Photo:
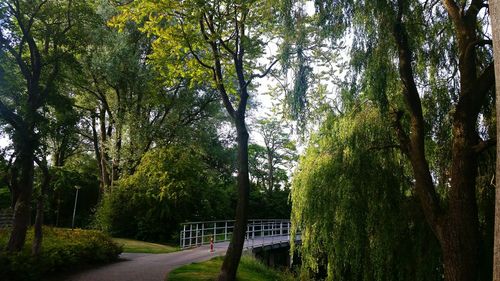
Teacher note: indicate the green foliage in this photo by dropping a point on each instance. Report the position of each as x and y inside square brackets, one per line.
[78, 170]
[249, 269]
[265, 204]
[62, 249]
[355, 208]
[171, 185]
[5, 200]
[269, 164]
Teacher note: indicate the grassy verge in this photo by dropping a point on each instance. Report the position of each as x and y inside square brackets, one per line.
[62, 250]
[250, 269]
[134, 246]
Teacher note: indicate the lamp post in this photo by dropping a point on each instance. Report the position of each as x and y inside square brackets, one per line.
[74, 208]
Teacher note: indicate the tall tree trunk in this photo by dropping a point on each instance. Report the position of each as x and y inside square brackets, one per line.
[116, 162]
[104, 160]
[460, 237]
[495, 26]
[97, 151]
[233, 254]
[38, 233]
[271, 169]
[22, 206]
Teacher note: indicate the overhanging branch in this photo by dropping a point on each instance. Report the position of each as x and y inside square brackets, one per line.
[261, 75]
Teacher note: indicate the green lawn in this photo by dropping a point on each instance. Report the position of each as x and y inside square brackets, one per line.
[249, 270]
[134, 246]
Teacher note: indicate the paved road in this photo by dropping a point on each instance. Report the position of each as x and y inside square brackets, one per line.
[155, 267]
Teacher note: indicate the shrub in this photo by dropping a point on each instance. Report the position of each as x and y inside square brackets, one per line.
[61, 249]
[170, 186]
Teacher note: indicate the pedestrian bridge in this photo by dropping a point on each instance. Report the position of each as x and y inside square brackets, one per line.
[261, 233]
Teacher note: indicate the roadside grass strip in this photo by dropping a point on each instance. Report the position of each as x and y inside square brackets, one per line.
[135, 246]
[249, 269]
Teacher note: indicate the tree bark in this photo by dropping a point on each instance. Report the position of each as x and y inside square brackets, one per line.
[23, 201]
[270, 159]
[460, 237]
[38, 233]
[495, 26]
[233, 254]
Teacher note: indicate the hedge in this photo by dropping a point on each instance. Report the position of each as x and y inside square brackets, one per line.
[62, 249]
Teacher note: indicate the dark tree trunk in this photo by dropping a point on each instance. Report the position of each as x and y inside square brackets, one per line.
[456, 225]
[271, 169]
[116, 171]
[38, 233]
[233, 254]
[22, 205]
[460, 237]
[460, 261]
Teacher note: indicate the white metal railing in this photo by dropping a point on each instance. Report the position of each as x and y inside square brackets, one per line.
[194, 234]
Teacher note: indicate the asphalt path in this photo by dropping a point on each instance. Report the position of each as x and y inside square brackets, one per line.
[155, 267]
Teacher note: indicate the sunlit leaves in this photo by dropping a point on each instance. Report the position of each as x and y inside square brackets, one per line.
[183, 36]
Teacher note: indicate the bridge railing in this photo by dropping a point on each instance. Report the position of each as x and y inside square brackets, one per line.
[194, 234]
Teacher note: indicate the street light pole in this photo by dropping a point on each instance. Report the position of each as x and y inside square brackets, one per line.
[74, 208]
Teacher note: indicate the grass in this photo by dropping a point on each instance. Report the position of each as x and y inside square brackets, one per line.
[134, 246]
[249, 269]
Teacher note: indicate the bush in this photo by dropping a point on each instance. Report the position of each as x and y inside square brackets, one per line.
[61, 249]
[170, 186]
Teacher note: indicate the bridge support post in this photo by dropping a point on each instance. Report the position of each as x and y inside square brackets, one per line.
[196, 236]
[183, 237]
[202, 233]
[190, 234]
[215, 231]
[225, 232]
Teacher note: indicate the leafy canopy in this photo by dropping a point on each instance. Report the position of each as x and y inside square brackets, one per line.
[192, 37]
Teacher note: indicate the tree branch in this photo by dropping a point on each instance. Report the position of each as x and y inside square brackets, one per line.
[219, 81]
[12, 118]
[262, 75]
[192, 51]
[415, 144]
[486, 80]
[453, 10]
[483, 145]
[17, 56]
[472, 45]
[403, 138]
[475, 7]
[35, 58]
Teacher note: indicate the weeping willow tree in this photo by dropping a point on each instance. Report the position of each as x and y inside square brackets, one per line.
[428, 66]
[355, 206]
